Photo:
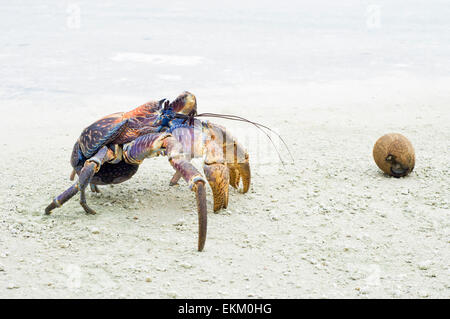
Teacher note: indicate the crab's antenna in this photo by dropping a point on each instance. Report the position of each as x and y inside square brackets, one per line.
[258, 125]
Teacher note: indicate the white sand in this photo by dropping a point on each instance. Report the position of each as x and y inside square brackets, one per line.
[331, 225]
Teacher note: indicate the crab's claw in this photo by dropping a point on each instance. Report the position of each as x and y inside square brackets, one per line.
[237, 160]
[238, 172]
[232, 154]
[218, 178]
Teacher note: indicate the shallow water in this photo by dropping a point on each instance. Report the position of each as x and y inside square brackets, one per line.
[64, 49]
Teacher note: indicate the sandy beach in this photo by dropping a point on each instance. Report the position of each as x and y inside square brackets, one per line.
[326, 77]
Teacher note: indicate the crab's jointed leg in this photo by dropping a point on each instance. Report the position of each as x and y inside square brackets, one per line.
[91, 166]
[151, 145]
[175, 178]
[94, 188]
[180, 162]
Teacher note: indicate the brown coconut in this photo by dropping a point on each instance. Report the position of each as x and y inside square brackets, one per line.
[394, 154]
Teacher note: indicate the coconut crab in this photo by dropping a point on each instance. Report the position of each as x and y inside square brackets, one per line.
[110, 150]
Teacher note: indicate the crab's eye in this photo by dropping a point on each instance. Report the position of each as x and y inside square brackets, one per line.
[389, 158]
[166, 105]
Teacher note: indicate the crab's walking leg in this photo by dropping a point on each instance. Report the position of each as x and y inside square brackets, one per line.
[175, 178]
[164, 143]
[90, 167]
[83, 203]
[73, 174]
[94, 188]
[192, 176]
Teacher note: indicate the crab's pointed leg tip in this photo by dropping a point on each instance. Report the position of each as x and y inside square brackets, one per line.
[202, 214]
[49, 208]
